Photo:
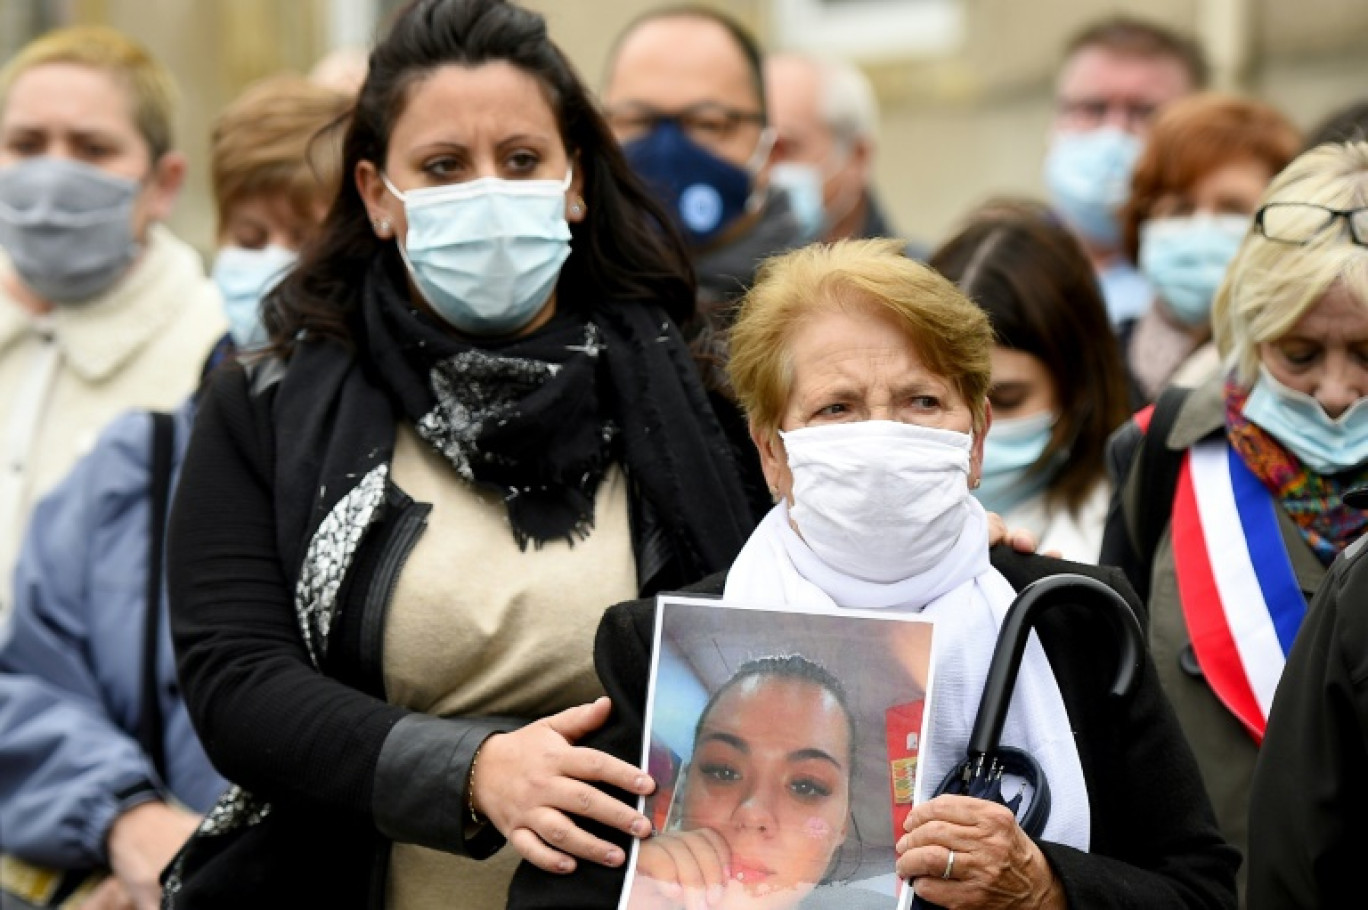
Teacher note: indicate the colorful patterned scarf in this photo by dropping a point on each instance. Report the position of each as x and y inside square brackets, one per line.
[1312, 500]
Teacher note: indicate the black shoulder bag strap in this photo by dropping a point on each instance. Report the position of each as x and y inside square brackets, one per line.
[1159, 480]
[150, 721]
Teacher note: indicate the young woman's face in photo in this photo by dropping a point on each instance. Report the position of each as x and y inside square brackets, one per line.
[771, 774]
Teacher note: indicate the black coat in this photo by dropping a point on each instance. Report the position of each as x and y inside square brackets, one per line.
[1154, 839]
[278, 454]
[1309, 799]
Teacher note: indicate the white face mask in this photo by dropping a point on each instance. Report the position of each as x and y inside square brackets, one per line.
[879, 500]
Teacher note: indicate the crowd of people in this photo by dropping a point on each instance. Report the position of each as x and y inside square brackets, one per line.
[329, 569]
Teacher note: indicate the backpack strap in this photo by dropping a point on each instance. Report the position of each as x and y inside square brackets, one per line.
[150, 720]
[1159, 466]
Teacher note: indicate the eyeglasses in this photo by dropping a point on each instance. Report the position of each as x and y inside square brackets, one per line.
[1090, 113]
[1302, 222]
[707, 124]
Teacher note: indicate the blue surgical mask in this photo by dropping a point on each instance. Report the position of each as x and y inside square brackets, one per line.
[1298, 421]
[804, 186]
[67, 227]
[1012, 447]
[1185, 259]
[486, 254]
[243, 278]
[1088, 175]
[701, 191]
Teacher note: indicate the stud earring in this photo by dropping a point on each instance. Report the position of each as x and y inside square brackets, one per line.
[577, 208]
[382, 226]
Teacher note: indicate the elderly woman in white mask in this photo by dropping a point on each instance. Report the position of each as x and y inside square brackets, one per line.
[865, 379]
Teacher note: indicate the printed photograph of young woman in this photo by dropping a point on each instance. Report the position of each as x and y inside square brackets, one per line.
[770, 731]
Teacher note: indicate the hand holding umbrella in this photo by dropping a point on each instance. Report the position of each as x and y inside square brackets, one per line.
[969, 807]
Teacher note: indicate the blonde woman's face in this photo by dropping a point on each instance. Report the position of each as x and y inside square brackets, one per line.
[83, 114]
[66, 110]
[857, 364]
[1325, 354]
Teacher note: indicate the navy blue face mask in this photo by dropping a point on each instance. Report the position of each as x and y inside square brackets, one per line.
[702, 192]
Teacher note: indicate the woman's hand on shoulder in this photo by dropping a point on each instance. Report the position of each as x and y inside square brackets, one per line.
[530, 782]
[686, 869]
[109, 894]
[996, 866]
[141, 842]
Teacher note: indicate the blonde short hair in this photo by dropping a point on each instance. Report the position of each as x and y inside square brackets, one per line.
[1271, 285]
[951, 335]
[150, 86]
[275, 139]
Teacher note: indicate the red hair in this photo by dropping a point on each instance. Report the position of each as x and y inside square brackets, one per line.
[1194, 136]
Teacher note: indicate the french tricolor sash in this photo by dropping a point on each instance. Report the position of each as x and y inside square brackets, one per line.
[1239, 593]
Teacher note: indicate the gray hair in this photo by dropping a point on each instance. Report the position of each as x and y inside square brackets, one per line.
[848, 105]
[846, 101]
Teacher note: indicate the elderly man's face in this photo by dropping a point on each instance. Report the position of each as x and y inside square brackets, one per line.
[854, 364]
[794, 88]
[689, 68]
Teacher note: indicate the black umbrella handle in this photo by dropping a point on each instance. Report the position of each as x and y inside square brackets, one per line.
[1033, 600]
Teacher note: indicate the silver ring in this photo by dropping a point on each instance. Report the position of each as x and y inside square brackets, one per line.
[949, 865]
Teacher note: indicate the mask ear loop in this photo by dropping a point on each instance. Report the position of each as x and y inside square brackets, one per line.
[394, 191]
[764, 148]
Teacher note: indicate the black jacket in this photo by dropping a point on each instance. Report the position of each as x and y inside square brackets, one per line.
[1154, 840]
[278, 507]
[1308, 803]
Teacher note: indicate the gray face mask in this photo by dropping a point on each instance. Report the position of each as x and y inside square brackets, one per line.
[67, 226]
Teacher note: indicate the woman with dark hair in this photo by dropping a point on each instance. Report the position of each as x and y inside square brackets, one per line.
[1059, 387]
[394, 536]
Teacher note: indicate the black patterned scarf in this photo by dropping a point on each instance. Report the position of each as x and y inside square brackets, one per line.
[523, 418]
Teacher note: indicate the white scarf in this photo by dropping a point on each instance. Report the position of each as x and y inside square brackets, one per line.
[967, 599]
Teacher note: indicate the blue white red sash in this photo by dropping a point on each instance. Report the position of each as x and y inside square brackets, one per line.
[1240, 595]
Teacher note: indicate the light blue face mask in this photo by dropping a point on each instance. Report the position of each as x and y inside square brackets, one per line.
[486, 254]
[1088, 175]
[243, 278]
[804, 186]
[1185, 259]
[1012, 447]
[1298, 421]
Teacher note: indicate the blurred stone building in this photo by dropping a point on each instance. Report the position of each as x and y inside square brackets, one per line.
[965, 84]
